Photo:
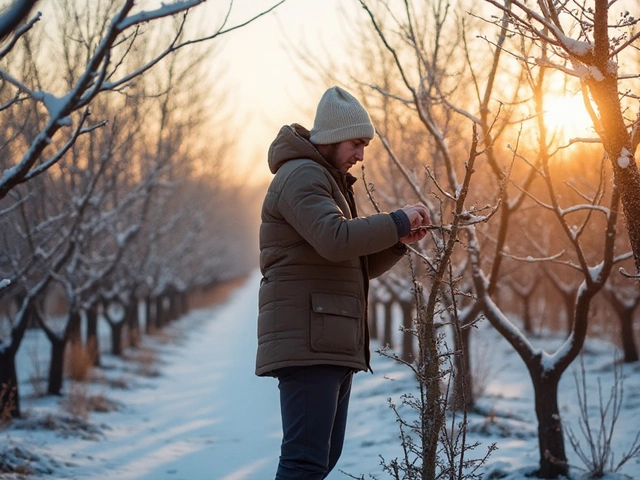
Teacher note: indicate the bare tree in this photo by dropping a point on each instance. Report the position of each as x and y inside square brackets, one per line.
[592, 55]
[624, 299]
[525, 294]
[100, 207]
[103, 72]
[426, 120]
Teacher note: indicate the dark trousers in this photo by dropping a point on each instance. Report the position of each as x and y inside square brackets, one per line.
[313, 402]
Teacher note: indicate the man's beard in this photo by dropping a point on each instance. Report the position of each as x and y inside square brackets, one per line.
[332, 155]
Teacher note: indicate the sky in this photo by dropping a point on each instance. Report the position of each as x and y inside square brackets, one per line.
[267, 90]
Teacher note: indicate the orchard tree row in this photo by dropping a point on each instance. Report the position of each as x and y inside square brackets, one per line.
[114, 182]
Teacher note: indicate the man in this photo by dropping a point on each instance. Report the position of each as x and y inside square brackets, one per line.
[316, 257]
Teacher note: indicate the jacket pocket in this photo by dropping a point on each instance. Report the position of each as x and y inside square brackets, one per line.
[335, 325]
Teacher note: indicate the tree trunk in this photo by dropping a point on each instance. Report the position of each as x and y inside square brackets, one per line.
[150, 322]
[628, 337]
[93, 342]
[431, 399]
[569, 308]
[116, 337]
[463, 397]
[160, 312]
[615, 137]
[553, 459]
[9, 398]
[132, 319]
[407, 334]
[9, 388]
[387, 338]
[56, 366]
[74, 326]
[373, 320]
[527, 321]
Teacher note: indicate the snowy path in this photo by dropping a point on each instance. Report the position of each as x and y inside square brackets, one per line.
[212, 418]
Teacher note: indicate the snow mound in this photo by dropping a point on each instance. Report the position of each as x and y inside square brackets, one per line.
[494, 426]
[63, 424]
[20, 460]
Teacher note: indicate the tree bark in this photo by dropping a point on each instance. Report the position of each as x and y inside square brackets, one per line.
[150, 322]
[116, 337]
[553, 459]
[160, 312]
[625, 315]
[387, 338]
[615, 136]
[407, 335]
[9, 398]
[463, 397]
[132, 319]
[629, 349]
[56, 365]
[74, 326]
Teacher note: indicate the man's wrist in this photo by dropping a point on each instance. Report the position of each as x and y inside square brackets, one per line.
[403, 224]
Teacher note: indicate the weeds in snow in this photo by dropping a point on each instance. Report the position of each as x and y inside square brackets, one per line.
[8, 394]
[598, 456]
[80, 403]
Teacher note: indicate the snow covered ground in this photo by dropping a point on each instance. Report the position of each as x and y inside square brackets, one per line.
[206, 416]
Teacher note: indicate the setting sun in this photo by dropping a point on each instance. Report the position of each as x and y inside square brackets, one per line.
[567, 117]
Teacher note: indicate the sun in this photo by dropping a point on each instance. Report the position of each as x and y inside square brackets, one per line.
[567, 117]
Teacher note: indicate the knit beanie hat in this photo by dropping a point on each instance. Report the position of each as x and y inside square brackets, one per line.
[340, 117]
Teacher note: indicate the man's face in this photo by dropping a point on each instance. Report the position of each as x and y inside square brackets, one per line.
[345, 155]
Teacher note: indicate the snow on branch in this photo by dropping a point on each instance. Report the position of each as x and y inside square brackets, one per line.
[13, 16]
[18, 33]
[93, 81]
[166, 10]
[530, 259]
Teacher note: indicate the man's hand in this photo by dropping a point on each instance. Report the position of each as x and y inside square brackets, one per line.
[415, 236]
[419, 218]
[418, 215]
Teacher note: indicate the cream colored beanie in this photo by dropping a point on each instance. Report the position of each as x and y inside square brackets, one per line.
[340, 117]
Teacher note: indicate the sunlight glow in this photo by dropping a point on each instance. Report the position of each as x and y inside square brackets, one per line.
[567, 118]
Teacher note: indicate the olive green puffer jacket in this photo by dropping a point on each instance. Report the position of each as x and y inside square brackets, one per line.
[316, 259]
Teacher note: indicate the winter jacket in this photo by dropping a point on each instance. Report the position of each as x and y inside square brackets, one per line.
[316, 259]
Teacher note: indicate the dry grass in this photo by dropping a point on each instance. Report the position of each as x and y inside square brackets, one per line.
[79, 362]
[145, 359]
[80, 403]
[6, 412]
[77, 401]
[166, 336]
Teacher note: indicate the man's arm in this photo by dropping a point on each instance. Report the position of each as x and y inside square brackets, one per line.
[307, 204]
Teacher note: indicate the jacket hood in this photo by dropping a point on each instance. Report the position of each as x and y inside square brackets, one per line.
[292, 142]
